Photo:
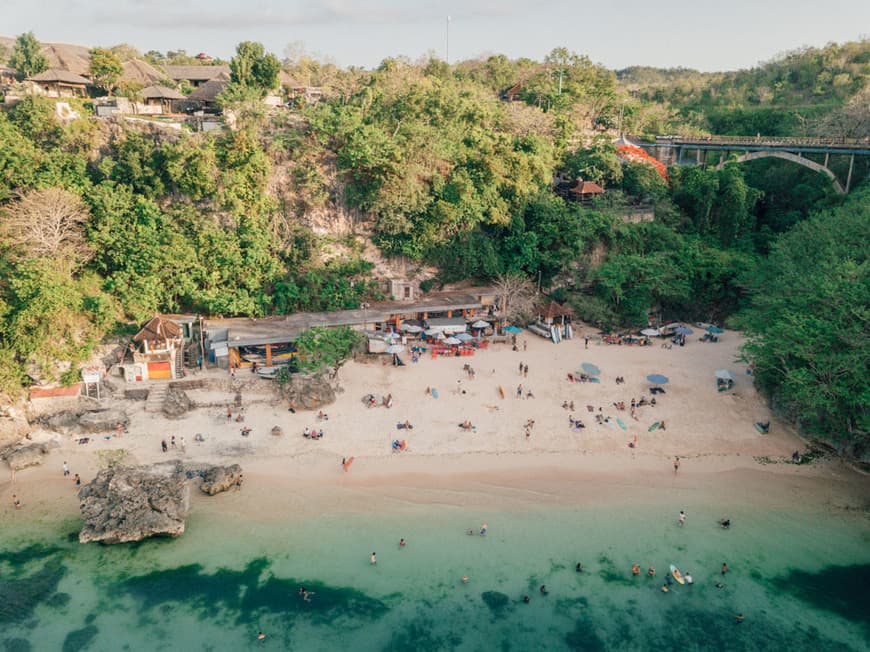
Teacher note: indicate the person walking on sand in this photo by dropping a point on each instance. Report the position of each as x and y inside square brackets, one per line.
[521, 368]
[676, 464]
[586, 341]
[525, 344]
[525, 371]
[520, 390]
[172, 443]
[65, 469]
[373, 559]
[16, 503]
[682, 518]
[183, 445]
[164, 446]
[78, 480]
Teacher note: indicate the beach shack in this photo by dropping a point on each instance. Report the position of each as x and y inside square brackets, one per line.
[160, 99]
[157, 352]
[553, 321]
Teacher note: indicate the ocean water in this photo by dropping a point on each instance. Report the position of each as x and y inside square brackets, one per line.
[800, 578]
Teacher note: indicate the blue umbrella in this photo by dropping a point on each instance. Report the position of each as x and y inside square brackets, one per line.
[463, 337]
[682, 330]
[658, 379]
[591, 369]
[715, 330]
[512, 329]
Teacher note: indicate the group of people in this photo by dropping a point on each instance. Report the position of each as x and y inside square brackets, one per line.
[310, 433]
[173, 444]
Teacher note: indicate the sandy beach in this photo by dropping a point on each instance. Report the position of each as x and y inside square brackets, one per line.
[721, 453]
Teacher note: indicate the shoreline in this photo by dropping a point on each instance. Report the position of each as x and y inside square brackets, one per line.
[498, 462]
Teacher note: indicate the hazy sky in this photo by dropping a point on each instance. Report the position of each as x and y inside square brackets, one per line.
[703, 34]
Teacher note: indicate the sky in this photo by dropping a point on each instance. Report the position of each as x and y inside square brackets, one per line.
[703, 34]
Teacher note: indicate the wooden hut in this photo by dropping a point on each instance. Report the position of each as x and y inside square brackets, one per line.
[60, 83]
[160, 99]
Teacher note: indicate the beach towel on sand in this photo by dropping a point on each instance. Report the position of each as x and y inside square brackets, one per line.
[653, 427]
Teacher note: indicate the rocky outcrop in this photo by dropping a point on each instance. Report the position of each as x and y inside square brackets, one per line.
[13, 425]
[124, 504]
[176, 404]
[102, 421]
[215, 479]
[307, 392]
[21, 457]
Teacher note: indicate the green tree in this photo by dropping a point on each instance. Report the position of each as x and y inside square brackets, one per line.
[321, 348]
[105, 68]
[27, 57]
[254, 67]
[808, 324]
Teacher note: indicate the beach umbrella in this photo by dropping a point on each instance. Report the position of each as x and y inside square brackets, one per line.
[391, 336]
[724, 374]
[591, 369]
[682, 330]
[434, 332]
[452, 340]
[395, 348]
[715, 330]
[411, 328]
[658, 379]
[463, 337]
[650, 332]
[480, 324]
[512, 329]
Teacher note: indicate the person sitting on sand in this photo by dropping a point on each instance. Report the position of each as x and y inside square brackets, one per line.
[322, 416]
[245, 431]
[564, 405]
[571, 406]
[306, 433]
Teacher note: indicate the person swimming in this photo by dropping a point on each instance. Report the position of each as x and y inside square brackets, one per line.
[725, 523]
[483, 530]
[578, 568]
[543, 589]
[651, 571]
[635, 569]
[526, 599]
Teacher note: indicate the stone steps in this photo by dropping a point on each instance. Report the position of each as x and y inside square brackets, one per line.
[156, 396]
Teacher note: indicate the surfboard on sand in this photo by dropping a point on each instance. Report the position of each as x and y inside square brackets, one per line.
[434, 393]
[653, 427]
[678, 576]
[621, 424]
[347, 463]
[501, 391]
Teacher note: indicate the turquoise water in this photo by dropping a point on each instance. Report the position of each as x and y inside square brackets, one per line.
[801, 579]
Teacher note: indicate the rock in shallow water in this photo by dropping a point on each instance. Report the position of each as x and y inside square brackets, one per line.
[124, 504]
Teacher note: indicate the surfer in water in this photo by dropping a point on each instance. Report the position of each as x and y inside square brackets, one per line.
[543, 589]
[483, 530]
[725, 523]
[579, 567]
[635, 570]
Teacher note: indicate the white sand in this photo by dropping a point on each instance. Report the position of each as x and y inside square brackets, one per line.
[712, 432]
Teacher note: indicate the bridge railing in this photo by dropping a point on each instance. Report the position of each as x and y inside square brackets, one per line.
[774, 141]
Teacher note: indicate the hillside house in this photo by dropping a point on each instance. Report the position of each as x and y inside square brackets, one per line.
[160, 100]
[59, 83]
[205, 96]
[197, 76]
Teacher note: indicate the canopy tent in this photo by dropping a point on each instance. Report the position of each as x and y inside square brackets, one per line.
[481, 324]
[462, 337]
[452, 340]
[658, 379]
[395, 348]
[512, 329]
[650, 332]
[591, 369]
[435, 333]
[714, 330]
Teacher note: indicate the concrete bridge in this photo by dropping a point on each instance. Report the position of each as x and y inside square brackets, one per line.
[685, 150]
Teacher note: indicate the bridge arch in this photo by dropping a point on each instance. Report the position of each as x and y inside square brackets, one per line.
[788, 156]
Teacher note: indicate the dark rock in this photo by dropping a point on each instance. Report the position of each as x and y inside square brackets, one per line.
[307, 392]
[102, 421]
[220, 478]
[66, 422]
[215, 478]
[125, 504]
[176, 404]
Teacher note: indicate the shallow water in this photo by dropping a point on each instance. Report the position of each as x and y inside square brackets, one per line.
[800, 578]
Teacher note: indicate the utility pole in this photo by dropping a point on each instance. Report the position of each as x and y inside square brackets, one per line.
[447, 53]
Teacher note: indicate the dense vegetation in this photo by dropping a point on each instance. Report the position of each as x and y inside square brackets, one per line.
[105, 223]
